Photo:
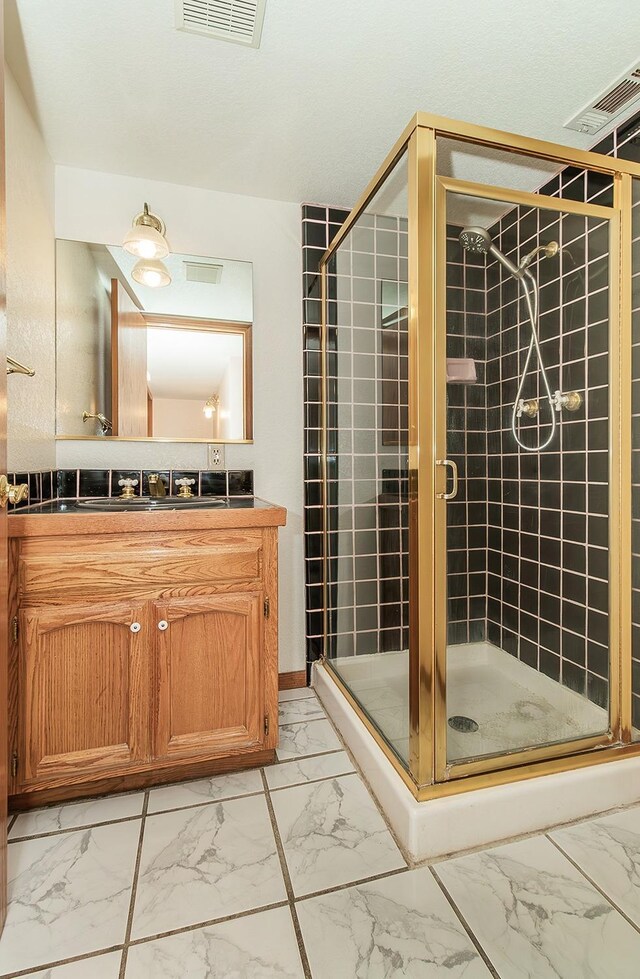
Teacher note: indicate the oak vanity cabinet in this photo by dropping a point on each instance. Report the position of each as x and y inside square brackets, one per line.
[141, 658]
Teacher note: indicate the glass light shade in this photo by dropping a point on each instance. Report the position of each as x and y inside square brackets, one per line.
[208, 412]
[150, 272]
[143, 241]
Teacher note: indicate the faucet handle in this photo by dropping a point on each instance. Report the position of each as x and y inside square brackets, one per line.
[127, 487]
[185, 485]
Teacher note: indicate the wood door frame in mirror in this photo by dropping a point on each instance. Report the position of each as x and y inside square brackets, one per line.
[168, 321]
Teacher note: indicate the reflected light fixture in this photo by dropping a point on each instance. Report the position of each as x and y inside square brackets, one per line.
[151, 272]
[211, 405]
[146, 239]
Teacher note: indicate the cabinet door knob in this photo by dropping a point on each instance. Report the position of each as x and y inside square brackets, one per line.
[162, 625]
[135, 627]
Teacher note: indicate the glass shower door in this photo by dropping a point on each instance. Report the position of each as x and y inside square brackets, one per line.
[525, 293]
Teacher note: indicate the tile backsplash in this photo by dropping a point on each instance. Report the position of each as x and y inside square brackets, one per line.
[79, 483]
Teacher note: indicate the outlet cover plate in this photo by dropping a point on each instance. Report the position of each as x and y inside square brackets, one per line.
[216, 457]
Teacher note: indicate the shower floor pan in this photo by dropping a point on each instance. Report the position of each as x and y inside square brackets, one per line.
[513, 705]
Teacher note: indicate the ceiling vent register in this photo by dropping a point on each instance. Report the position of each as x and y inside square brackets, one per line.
[203, 272]
[621, 99]
[238, 21]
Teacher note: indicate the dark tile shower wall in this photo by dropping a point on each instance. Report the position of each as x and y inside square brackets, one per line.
[547, 511]
[319, 225]
[467, 446]
[367, 513]
[555, 613]
[367, 371]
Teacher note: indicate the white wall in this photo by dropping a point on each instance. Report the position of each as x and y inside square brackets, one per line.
[173, 417]
[98, 207]
[30, 288]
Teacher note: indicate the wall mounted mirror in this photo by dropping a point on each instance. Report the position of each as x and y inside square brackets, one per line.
[134, 362]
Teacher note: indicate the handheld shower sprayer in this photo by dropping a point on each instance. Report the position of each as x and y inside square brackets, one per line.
[478, 240]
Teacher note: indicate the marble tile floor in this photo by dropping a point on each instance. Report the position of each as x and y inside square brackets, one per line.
[291, 872]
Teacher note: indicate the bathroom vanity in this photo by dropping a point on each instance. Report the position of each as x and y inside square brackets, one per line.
[143, 646]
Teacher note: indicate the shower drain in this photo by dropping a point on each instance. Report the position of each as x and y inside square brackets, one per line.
[465, 724]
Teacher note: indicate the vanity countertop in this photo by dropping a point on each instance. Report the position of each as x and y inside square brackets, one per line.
[66, 517]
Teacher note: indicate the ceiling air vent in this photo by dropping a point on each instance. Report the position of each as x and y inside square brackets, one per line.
[203, 272]
[618, 100]
[239, 21]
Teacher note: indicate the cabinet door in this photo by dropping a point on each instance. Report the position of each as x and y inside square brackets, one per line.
[84, 690]
[210, 675]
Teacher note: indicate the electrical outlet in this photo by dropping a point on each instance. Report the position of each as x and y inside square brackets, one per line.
[216, 457]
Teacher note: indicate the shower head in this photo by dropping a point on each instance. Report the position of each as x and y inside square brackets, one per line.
[478, 240]
[475, 240]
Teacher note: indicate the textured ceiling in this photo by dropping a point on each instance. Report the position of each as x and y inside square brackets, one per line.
[311, 114]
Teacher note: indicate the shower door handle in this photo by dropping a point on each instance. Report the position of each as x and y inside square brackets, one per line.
[454, 473]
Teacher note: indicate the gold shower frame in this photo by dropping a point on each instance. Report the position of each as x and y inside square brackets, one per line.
[428, 774]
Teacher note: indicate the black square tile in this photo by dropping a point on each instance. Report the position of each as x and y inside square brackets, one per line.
[241, 482]
[67, 483]
[94, 482]
[213, 482]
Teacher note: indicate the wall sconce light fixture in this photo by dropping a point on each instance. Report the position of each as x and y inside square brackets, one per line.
[146, 239]
[211, 405]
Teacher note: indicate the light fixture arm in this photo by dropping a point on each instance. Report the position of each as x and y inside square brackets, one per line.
[150, 220]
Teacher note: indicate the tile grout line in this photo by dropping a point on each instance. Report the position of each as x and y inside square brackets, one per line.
[355, 883]
[467, 927]
[287, 881]
[208, 923]
[75, 829]
[134, 886]
[593, 883]
[310, 781]
[44, 967]
[194, 805]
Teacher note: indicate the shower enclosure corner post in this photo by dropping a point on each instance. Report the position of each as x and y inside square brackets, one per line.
[323, 459]
[620, 437]
[424, 579]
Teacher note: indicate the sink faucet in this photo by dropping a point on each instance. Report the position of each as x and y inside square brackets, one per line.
[156, 485]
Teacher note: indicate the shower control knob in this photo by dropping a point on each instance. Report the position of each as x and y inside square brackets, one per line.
[571, 401]
[530, 408]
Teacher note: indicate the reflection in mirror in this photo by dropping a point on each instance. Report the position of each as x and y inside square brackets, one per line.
[136, 362]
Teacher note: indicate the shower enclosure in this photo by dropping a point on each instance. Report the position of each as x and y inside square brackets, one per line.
[479, 317]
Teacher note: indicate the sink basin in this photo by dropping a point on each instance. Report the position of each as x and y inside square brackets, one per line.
[152, 503]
